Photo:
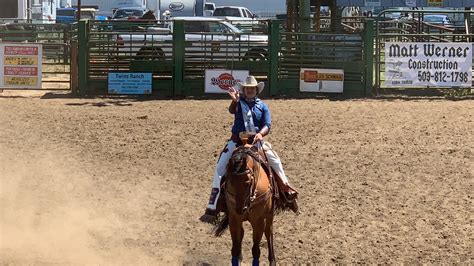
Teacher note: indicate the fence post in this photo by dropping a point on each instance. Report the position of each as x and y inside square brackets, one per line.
[83, 58]
[178, 56]
[369, 55]
[73, 68]
[274, 50]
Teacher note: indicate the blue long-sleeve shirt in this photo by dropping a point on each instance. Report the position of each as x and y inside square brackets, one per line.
[260, 113]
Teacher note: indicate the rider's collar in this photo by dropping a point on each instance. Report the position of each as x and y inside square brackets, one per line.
[250, 100]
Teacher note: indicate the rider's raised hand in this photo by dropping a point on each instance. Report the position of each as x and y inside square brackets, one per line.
[234, 94]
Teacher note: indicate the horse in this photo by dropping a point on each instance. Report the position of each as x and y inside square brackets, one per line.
[249, 196]
[149, 15]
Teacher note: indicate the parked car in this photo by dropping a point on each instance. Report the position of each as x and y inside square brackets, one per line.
[438, 19]
[91, 13]
[202, 34]
[239, 16]
[234, 13]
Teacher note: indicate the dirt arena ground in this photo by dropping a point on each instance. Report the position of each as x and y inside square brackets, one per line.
[123, 182]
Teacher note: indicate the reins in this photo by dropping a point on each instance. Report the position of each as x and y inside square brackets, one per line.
[254, 176]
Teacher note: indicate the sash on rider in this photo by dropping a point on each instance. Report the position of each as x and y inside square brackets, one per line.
[248, 118]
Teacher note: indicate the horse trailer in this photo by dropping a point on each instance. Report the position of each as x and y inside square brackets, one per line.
[42, 11]
[108, 7]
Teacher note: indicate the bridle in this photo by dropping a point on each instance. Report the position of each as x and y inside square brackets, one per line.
[253, 175]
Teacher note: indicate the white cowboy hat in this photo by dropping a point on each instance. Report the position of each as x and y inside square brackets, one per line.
[250, 81]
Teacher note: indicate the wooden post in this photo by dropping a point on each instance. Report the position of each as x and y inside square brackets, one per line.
[79, 6]
[317, 27]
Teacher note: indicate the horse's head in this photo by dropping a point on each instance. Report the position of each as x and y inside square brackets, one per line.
[241, 179]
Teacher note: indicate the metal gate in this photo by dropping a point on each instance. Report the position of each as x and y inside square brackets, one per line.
[324, 50]
[178, 60]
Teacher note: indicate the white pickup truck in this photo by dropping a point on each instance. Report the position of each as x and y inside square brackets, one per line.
[204, 36]
[233, 13]
[239, 16]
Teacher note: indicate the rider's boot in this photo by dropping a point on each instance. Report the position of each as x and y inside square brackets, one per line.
[292, 203]
[289, 194]
[211, 212]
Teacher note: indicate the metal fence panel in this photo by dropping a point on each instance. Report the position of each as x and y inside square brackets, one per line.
[56, 42]
[313, 50]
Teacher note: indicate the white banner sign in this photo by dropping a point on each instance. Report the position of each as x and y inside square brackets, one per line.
[220, 80]
[20, 65]
[321, 80]
[418, 64]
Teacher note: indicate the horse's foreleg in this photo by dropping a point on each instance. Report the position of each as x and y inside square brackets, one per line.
[237, 234]
[258, 228]
[269, 236]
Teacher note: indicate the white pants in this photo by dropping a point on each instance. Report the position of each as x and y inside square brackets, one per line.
[273, 159]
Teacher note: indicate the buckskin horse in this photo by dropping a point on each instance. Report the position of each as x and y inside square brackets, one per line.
[249, 196]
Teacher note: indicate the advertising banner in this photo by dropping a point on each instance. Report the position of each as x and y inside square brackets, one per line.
[220, 80]
[20, 66]
[435, 3]
[321, 80]
[129, 83]
[417, 64]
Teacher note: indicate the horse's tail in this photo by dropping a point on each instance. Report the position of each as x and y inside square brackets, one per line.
[221, 225]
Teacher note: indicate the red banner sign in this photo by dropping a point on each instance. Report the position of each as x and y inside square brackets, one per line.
[21, 71]
[20, 50]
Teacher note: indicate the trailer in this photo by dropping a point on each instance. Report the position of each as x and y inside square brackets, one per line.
[17, 10]
[43, 11]
[177, 8]
[37, 11]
